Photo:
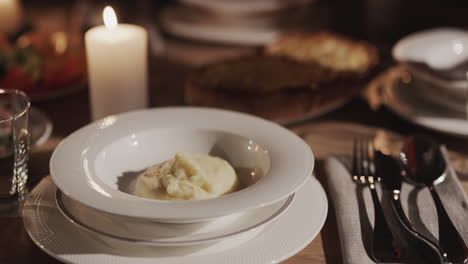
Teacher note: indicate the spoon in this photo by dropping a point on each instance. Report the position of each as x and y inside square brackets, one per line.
[426, 167]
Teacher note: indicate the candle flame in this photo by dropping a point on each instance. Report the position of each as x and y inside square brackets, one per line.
[110, 19]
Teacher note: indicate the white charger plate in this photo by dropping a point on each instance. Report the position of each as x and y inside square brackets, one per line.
[93, 163]
[286, 236]
[147, 232]
[415, 108]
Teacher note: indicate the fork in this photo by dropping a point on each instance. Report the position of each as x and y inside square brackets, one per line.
[363, 173]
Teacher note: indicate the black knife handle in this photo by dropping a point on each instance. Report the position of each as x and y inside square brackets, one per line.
[426, 249]
[449, 238]
[383, 244]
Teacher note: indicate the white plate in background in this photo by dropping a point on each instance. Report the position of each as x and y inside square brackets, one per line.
[434, 94]
[245, 6]
[433, 47]
[40, 126]
[175, 23]
[416, 109]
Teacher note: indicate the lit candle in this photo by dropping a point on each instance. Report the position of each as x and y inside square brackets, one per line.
[117, 66]
[10, 15]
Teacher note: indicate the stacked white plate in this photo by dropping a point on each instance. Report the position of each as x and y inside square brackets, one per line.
[245, 22]
[93, 216]
[421, 91]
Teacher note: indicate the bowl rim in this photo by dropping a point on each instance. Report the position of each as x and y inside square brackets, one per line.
[184, 241]
[402, 44]
[292, 161]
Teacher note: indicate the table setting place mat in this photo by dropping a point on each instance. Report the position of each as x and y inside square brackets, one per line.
[355, 212]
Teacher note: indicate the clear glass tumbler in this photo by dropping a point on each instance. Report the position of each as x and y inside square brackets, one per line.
[14, 150]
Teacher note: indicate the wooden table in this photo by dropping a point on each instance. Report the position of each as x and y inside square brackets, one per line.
[329, 134]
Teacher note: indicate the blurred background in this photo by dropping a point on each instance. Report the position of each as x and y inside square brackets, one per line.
[185, 34]
[382, 21]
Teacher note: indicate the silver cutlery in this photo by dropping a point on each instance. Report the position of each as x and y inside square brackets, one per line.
[389, 169]
[383, 247]
[426, 167]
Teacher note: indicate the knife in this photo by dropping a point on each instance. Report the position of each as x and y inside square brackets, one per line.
[389, 170]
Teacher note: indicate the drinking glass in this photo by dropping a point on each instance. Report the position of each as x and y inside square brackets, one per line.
[14, 149]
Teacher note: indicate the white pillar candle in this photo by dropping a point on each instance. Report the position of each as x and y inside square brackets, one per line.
[117, 66]
[10, 15]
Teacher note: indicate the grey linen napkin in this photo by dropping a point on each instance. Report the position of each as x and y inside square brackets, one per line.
[355, 212]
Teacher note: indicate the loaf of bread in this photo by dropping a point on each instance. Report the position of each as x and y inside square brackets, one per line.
[261, 75]
[299, 75]
[327, 49]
